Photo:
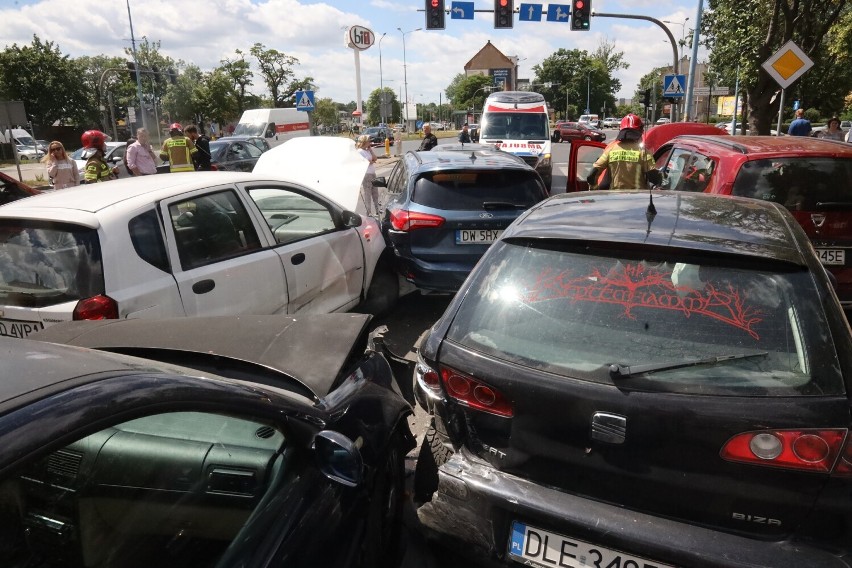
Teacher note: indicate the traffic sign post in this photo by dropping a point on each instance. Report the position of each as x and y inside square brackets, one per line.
[785, 66]
[461, 11]
[673, 86]
[304, 100]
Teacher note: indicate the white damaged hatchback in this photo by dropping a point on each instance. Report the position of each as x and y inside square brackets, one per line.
[198, 244]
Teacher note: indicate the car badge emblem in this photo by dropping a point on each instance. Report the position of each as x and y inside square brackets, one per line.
[818, 219]
[486, 216]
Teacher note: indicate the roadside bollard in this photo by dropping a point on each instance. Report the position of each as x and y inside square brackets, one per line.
[387, 147]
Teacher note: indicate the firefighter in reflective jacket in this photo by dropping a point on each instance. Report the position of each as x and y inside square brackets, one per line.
[178, 150]
[94, 142]
[625, 161]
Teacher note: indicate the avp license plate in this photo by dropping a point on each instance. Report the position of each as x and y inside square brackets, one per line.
[20, 329]
[833, 257]
[477, 236]
[536, 547]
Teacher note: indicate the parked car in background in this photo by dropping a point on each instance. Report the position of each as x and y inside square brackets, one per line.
[663, 120]
[438, 125]
[611, 122]
[114, 157]
[286, 240]
[446, 208]
[261, 143]
[234, 155]
[567, 131]
[378, 135]
[28, 153]
[622, 365]
[212, 441]
[42, 145]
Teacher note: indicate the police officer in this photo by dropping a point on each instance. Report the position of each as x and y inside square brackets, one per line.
[625, 160]
[94, 141]
[178, 150]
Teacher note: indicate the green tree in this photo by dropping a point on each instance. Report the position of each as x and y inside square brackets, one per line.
[49, 83]
[325, 113]
[612, 61]
[276, 68]
[573, 77]
[743, 34]
[472, 91]
[452, 89]
[154, 73]
[238, 71]
[374, 115]
[107, 78]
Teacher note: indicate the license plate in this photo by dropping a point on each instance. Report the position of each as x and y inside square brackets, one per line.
[14, 328]
[834, 257]
[477, 236]
[536, 547]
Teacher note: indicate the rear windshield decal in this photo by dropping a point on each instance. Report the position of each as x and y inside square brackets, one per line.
[642, 286]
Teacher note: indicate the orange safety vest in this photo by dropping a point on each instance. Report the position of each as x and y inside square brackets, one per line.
[178, 151]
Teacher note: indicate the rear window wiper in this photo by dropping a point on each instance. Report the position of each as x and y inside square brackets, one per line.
[626, 371]
[504, 205]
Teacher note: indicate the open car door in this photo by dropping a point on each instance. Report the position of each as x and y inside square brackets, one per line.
[580, 159]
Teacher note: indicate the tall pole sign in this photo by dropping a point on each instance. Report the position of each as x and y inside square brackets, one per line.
[358, 38]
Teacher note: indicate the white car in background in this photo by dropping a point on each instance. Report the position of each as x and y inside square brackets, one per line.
[28, 153]
[199, 244]
[611, 122]
[114, 157]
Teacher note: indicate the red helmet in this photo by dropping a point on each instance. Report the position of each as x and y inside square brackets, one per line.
[175, 126]
[631, 121]
[93, 139]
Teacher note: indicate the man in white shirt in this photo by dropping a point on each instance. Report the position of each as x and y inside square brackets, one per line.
[141, 159]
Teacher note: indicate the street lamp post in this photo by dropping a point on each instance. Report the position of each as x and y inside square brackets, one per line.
[136, 66]
[381, 83]
[405, 72]
[473, 98]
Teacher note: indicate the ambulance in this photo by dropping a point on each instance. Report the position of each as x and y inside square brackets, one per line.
[517, 122]
[277, 125]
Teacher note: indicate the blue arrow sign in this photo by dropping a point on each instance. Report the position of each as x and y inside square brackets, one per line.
[558, 13]
[461, 11]
[673, 86]
[530, 13]
[304, 100]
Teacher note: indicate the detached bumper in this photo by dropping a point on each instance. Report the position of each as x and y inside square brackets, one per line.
[476, 504]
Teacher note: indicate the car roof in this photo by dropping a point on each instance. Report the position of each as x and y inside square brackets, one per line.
[763, 146]
[438, 159]
[657, 135]
[695, 221]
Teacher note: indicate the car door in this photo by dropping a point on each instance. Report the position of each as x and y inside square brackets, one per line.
[581, 157]
[323, 260]
[218, 260]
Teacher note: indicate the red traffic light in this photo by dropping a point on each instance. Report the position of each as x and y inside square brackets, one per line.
[579, 4]
[434, 3]
[504, 3]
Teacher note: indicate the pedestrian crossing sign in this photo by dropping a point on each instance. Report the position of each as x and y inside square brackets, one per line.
[673, 86]
[304, 100]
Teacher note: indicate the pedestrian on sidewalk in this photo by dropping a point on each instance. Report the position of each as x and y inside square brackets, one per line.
[61, 170]
[369, 192]
[801, 126]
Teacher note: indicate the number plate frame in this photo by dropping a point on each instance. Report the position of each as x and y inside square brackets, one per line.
[19, 328]
[832, 256]
[479, 236]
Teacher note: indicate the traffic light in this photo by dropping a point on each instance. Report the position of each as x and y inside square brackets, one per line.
[504, 13]
[646, 99]
[581, 14]
[435, 14]
[131, 69]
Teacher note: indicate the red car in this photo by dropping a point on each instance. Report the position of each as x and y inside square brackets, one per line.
[810, 177]
[566, 131]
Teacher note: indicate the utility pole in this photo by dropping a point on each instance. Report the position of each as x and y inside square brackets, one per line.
[138, 78]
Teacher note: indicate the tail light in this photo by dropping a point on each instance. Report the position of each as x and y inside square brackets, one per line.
[808, 450]
[405, 220]
[475, 394]
[214, 168]
[96, 308]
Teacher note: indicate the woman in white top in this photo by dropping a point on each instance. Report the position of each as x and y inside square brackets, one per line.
[60, 168]
[369, 192]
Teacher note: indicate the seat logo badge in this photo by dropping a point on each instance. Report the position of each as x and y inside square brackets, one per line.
[486, 216]
[818, 219]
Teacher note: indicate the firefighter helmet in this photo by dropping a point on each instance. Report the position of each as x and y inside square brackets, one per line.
[631, 121]
[175, 126]
[93, 139]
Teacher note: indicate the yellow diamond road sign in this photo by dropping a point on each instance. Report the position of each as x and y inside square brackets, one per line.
[787, 64]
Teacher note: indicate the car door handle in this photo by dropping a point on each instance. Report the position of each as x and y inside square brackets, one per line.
[609, 428]
[298, 259]
[203, 286]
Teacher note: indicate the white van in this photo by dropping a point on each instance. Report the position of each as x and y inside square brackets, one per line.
[274, 124]
[20, 136]
[592, 120]
[518, 122]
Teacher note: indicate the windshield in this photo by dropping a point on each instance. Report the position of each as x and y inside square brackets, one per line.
[581, 314]
[515, 126]
[256, 129]
[44, 263]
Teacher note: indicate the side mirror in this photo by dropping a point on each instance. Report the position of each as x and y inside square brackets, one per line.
[338, 458]
[380, 181]
[351, 219]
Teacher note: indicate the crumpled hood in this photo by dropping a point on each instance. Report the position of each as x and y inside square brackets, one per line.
[329, 165]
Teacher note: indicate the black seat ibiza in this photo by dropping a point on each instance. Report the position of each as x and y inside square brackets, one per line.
[643, 383]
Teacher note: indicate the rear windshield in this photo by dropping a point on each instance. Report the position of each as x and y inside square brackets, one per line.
[806, 183]
[604, 318]
[516, 125]
[43, 264]
[472, 190]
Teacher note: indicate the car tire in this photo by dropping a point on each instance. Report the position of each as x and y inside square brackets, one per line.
[382, 543]
[433, 454]
[383, 292]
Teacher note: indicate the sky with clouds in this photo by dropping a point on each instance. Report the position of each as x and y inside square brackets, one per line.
[203, 32]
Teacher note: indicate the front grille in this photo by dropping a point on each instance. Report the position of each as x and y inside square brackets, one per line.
[531, 160]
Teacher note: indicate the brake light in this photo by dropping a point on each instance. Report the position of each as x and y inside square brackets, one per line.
[475, 394]
[809, 450]
[96, 308]
[844, 464]
[405, 220]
